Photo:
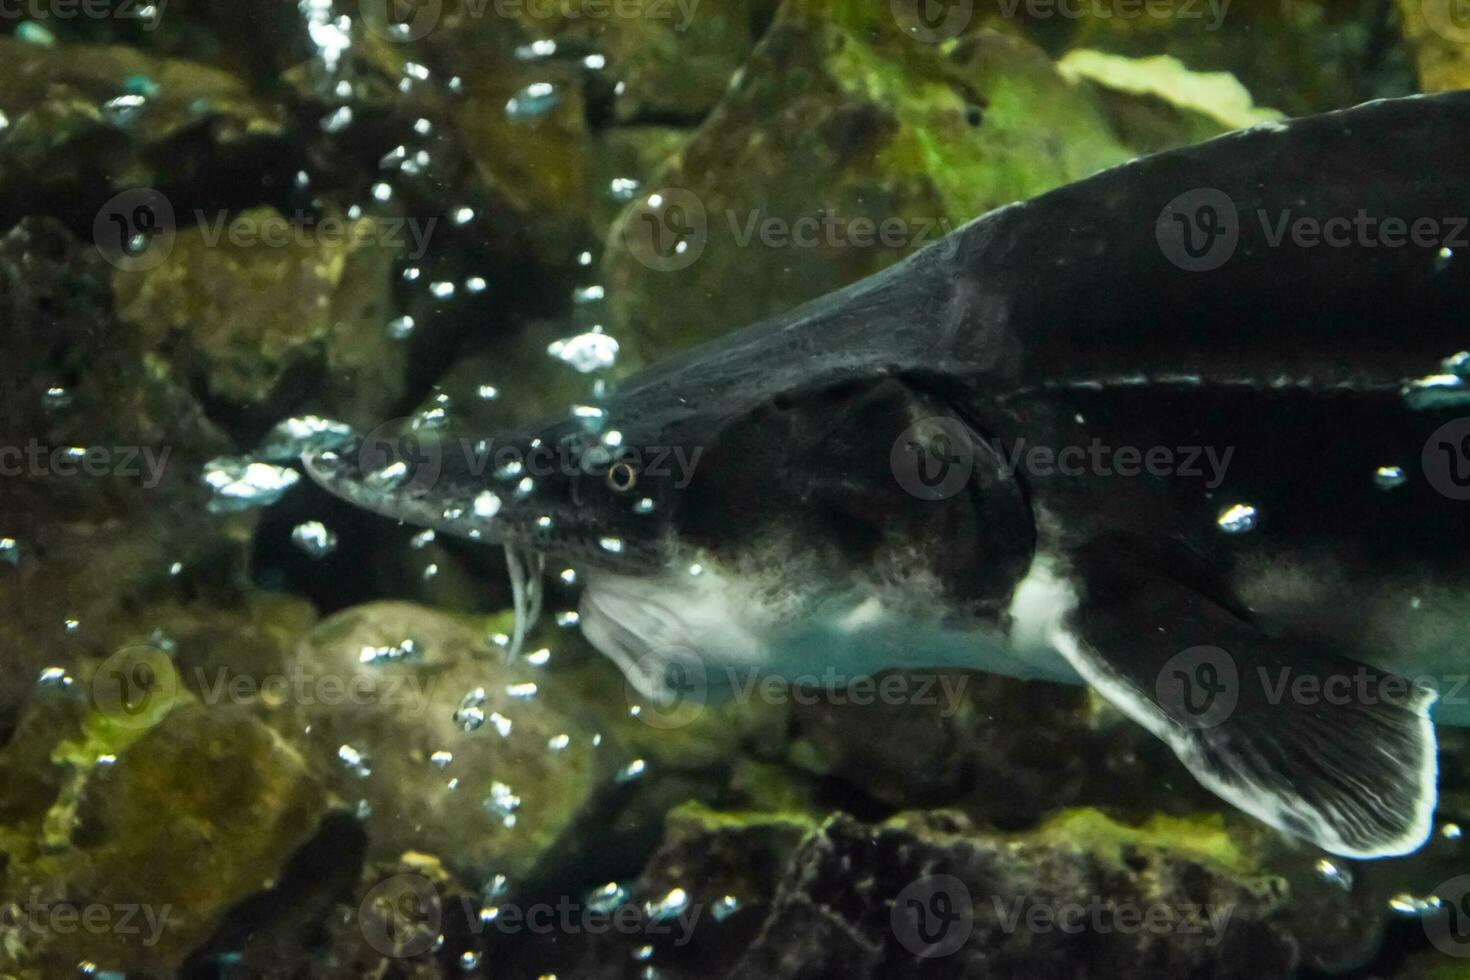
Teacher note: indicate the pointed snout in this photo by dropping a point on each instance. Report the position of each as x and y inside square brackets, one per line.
[546, 492]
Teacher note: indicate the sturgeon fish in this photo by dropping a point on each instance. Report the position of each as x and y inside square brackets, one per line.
[1184, 431]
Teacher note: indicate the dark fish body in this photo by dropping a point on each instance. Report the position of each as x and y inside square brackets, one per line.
[1174, 430]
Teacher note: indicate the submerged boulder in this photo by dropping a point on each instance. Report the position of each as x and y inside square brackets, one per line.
[133, 820]
[412, 716]
[843, 146]
[253, 302]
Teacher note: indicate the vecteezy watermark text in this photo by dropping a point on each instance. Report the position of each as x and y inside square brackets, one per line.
[1123, 10]
[1201, 229]
[669, 229]
[37, 460]
[1201, 687]
[1101, 916]
[669, 687]
[935, 915]
[402, 916]
[37, 916]
[137, 230]
[422, 456]
[303, 230]
[147, 12]
[412, 20]
[136, 686]
[934, 459]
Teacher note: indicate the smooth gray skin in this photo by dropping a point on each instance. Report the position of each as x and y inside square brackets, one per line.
[1078, 316]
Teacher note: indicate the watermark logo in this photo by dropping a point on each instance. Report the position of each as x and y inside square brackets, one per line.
[1446, 459]
[674, 680]
[397, 458]
[1198, 231]
[933, 458]
[135, 230]
[1448, 926]
[401, 20]
[401, 916]
[667, 230]
[934, 916]
[933, 21]
[1199, 687]
[1450, 19]
[135, 687]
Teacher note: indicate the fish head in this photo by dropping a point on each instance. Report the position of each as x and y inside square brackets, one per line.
[567, 490]
[760, 532]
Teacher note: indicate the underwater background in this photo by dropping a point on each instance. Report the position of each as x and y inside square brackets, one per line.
[247, 730]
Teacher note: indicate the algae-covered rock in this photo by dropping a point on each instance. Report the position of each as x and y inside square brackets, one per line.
[725, 859]
[1157, 103]
[1005, 750]
[461, 116]
[101, 508]
[843, 146]
[1438, 34]
[526, 133]
[413, 715]
[89, 121]
[671, 60]
[129, 834]
[408, 918]
[864, 901]
[253, 301]
[1301, 57]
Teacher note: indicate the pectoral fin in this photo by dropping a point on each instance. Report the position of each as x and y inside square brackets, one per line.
[1285, 728]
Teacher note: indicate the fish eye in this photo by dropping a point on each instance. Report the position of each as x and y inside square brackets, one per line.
[622, 477]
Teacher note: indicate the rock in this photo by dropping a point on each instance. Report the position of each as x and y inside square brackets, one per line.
[228, 647]
[842, 147]
[525, 131]
[251, 315]
[153, 818]
[90, 121]
[526, 385]
[1301, 57]
[98, 534]
[1157, 104]
[629, 157]
[725, 860]
[1440, 42]
[698, 905]
[671, 61]
[1007, 751]
[853, 899]
[411, 714]
[408, 917]
[479, 128]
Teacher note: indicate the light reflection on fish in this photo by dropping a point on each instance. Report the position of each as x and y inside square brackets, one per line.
[993, 455]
